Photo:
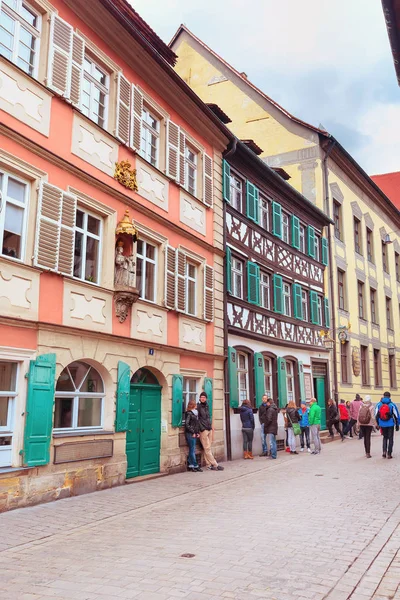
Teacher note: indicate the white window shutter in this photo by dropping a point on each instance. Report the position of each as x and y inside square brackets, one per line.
[123, 109]
[48, 226]
[136, 119]
[182, 152]
[60, 56]
[207, 180]
[173, 150]
[169, 295]
[67, 234]
[180, 281]
[78, 55]
[208, 304]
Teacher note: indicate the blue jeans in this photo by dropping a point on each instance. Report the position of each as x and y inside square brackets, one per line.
[191, 442]
[271, 444]
[263, 440]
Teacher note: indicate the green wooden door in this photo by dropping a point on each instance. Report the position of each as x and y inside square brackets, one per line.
[320, 395]
[144, 430]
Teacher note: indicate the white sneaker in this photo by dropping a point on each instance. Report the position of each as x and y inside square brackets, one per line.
[309, 450]
[301, 449]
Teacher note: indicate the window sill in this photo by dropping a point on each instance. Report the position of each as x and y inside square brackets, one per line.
[375, 325]
[348, 385]
[359, 255]
[344, 312]
[365, 321]
[371, 263]
[61, 434]
[193, 317]
[6, 470]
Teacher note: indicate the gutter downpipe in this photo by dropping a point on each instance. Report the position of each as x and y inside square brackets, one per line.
[227, 409]
[331, 282]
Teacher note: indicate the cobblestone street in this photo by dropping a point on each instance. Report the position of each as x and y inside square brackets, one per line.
[310, 527]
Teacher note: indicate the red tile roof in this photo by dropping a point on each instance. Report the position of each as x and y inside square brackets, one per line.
[390, 185]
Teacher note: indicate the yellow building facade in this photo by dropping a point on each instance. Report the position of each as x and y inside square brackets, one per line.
[364, 274]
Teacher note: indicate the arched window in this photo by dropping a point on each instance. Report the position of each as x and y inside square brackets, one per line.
[79, 398]
[243, 375]
[291, 395]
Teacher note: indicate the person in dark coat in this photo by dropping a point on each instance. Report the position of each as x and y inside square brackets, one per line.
[192, 433]
[247, 418]
[271, 427]
[261, 416]
[332, 419]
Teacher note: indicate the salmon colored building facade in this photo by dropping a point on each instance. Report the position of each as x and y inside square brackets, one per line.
[106, 322]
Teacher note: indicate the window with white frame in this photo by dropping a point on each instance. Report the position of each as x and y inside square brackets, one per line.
[287, 305]
[319, 309]
[79, 398]
[191, 160]
[268, 389]
[149, 146]
[285, 227]
[8, 394]
[243, 375]
[237, 278]
[264, 213]
[302, 237]
[236, 192]
[291, 397]
[190, 390]
[146, 270]
[13, 208]
[191, 285]
[265, 290]
[317, 241]
[87, 246]
[95, 91]
[304, 305]
[20, 26]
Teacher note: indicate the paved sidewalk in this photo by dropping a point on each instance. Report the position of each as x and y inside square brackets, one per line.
[301, 527]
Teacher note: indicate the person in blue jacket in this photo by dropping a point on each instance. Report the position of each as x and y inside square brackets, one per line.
[304, 426]
[387, 417]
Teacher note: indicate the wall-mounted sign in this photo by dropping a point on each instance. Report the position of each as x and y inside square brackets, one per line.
[343, 336]
[356, 360]
[308, 386]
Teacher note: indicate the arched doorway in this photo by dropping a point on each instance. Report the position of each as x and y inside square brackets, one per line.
[144, 425]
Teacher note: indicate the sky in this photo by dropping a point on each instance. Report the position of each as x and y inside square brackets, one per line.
[327, 62]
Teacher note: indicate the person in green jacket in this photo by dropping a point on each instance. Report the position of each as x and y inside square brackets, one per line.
[314, 418]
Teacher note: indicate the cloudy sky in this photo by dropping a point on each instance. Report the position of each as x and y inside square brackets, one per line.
[326, 62]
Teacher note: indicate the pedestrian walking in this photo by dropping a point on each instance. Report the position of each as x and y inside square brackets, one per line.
[354, 408]
[344, 417]
[206, 433]
[349, 431]
[314, 418]
[332, 419]
[304, 426]
[387, 418]
[261, 417]
[271, 427]
[192, 432]
[366, 422]
[247, 418]
[293, 419]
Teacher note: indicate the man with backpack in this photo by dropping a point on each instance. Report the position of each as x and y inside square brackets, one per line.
[387, 417]
[366, 422]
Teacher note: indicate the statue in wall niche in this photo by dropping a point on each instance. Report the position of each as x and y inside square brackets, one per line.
[124, 268]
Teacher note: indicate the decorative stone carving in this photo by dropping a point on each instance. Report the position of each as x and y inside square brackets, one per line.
[125, 268]
[356, 361]
[125, 175]
[123, 301]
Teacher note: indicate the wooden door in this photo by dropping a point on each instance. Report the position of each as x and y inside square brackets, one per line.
[133, 433]
[319, 383]
[144, 430]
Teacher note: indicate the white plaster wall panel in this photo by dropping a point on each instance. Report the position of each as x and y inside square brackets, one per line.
[24, 99]
[149, 323]
[19, 291]
[93, 146]
[87, 307]
[152, 185]
[193, 213]
[192, 334]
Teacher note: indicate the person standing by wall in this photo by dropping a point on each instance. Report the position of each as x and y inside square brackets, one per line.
[292, 418]
[366, 423]
[304, 426]
[192, 432]
[387, 418]
[206, 432]
[261, 417]
[247, 418]
[314, 418]
[271, 427]
[332, 420]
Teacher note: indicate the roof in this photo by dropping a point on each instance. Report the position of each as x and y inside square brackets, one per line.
[217, 110]
[391, 11]
[253, 146]
[390, 185]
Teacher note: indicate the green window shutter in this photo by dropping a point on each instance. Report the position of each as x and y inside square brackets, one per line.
[228, 270]
[252, 202]
[208, 388]
[277, 219]
[324, 253]
[282, 385]
[278, 296]
[297, 312]
[301, 381]
[295, 232]
[39, 410]
[253, 283]
[311, 241]
[327, 313]
[314, 307]
[232, 376]
[123, 391]
[259, 377]
[226, 181]
[177, 400]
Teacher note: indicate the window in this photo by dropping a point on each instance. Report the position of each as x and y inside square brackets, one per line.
[264, 213]
[287, 305]
[191, 279]
[357, 236]
[20, 34]
[377, 367]
[150, 137]
[370, 245]
[302, 237]
[290, 381]
[319, 309]
[87, 247]
[372, 295]
[364, 365]
[79, 398]
[385, 258]
[243, 376]
[237, 278]
[191, 169]
[8, 393]
[285, 227]
[360, 291]
[265, 293]
[392, 371]
[344, 361]
[268, 377]
[189, 391]
[317, 245]
[146, 270]
[397, 264]
[95, 91]
[13, 203]
[304, 305]
[341, 289]
[337, 217]
[236, 191]
[389, 323]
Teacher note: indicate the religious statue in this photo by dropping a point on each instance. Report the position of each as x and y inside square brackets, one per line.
[124, 268]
